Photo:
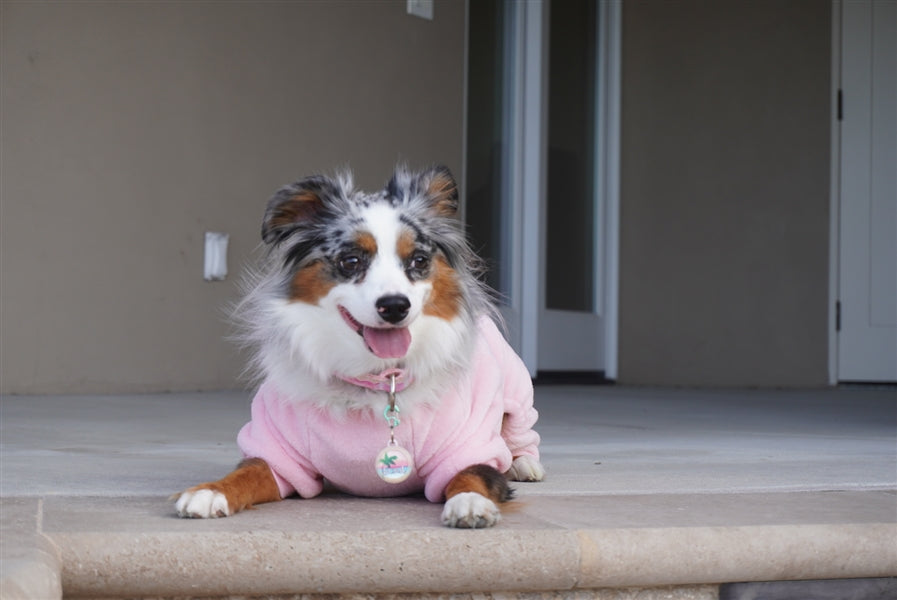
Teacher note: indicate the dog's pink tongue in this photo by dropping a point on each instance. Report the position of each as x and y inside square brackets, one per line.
[388, 343]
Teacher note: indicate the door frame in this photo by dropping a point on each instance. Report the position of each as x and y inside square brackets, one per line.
[834, 280]
[835, 375]
[526, 176]
[609, 93]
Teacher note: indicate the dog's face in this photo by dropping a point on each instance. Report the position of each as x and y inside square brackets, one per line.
[366, 281]
[382, 279]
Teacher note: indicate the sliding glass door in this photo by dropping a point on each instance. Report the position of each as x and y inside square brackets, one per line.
[541, 175]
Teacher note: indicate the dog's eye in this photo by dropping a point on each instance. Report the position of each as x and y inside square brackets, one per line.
[419, 262]
[350, 264]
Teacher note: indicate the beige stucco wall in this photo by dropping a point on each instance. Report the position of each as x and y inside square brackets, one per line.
[128, 129]
[725, 192]
[131, 128]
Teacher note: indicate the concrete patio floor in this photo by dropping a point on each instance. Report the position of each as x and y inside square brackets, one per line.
[651, 492]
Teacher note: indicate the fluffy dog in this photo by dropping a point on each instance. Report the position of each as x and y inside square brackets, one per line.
[358, 293]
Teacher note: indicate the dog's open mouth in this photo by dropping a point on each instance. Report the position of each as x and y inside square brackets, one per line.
[385, 342]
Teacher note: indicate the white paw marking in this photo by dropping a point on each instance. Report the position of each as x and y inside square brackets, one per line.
[526, 468]
[202, 504]
[470, 510]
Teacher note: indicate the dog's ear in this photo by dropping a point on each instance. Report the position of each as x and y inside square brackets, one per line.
[435, 185]
[295, 205]
[441, 190]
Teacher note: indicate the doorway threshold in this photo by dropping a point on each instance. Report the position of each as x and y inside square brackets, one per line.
[571, 378]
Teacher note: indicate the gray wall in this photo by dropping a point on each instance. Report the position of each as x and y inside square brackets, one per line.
[725, 192]
[131, 128]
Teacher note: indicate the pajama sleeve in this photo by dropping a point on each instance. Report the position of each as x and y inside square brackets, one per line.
[268, 436]
[519, 413]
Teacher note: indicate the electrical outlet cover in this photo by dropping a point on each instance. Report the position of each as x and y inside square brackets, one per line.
[216, 256]
[421, 8]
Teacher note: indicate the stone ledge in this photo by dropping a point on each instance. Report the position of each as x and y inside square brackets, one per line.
[342, 545]
[29, 563]
[390, 562]
[696, 555]
[32, 577]
[335, 544]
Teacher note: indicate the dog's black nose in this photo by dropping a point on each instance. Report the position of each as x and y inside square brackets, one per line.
[393, 309]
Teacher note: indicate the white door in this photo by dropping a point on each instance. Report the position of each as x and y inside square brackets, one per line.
[867, 340]
[543, 105]
[570, 312]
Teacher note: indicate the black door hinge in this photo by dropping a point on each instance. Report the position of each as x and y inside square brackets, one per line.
[840, 105]
[838, 315]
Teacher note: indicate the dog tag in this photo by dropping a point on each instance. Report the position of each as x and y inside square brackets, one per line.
[394, 464]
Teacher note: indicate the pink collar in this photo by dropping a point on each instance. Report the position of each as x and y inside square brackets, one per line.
[379, 382]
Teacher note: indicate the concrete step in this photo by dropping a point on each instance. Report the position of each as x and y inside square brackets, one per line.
[684, 545]
[651, 494]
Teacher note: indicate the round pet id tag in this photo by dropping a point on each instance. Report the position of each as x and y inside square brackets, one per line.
[394, 464]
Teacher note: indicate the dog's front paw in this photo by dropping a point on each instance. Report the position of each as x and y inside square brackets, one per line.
[526, 468]
[470, 510]
[202, 503]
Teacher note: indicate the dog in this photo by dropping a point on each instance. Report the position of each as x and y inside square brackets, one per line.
[372, 332]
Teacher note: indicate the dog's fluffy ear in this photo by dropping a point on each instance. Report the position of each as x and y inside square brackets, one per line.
[441, 190]
[297, 204]
[436, 185]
